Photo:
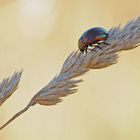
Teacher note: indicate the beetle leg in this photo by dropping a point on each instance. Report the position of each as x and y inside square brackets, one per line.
[86, 48]
[106, 43]
[90, 49]
[94, 49]
[97, 46]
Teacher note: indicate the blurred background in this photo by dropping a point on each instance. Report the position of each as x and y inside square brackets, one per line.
[38, 35]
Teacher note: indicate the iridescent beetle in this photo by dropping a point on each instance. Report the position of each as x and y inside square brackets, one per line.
[92, 37]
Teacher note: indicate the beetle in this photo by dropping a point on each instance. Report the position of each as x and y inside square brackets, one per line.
[92, 37]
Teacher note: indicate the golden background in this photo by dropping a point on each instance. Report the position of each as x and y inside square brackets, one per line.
[38, 35]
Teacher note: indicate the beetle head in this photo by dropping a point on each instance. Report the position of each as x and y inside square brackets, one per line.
[80, 46]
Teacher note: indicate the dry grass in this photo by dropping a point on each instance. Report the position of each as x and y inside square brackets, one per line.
[78, 64]
[8, 86]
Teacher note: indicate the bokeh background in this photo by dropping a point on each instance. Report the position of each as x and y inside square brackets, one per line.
[38, 35]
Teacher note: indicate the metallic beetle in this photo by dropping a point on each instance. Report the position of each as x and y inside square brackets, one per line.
[92, 37]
